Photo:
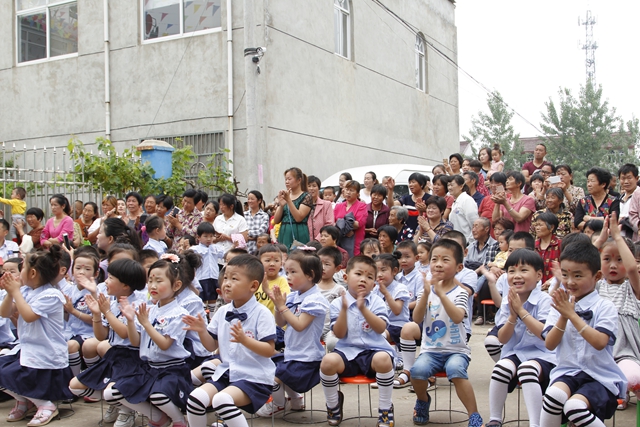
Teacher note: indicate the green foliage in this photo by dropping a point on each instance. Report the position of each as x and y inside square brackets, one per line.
[495, 128]
[217, 176]
[586, 132]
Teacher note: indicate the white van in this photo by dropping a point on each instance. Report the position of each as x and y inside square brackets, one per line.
[400, 172]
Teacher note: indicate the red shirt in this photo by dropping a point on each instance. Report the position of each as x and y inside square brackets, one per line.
[552, 253]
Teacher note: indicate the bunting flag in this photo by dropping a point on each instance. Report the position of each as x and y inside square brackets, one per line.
[196, 7]
[169, 26]
[209, 4]
[202, 18]
[187, 4]
[164, 15]
[145, 2]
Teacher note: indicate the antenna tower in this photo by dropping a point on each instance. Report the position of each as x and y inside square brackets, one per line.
[589, 47]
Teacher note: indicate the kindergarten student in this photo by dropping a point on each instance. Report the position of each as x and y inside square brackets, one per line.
[358, 319]
[410, 276]
[370, 247]
[303, 312]
[208, 272]
[154, 226]
[443, 306]
[38, 373]
[330, 289]
[165, 378]
[8, 248]
[519, 324]
[271, 258]
[582, 328]
[120, 358]
[18, 207]
[422, 264]
[244, 333]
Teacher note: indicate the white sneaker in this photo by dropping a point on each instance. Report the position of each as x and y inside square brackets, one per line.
[269, 409]
[297, 403]
[111, 415]
[125, 419]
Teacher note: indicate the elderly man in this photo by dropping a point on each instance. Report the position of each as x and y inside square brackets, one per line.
[480, 252]
[471, 179]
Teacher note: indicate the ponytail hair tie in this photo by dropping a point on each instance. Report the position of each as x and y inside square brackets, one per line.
[143, 228]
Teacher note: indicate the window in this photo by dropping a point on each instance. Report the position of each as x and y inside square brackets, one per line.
[166, 18]
[46, 29]
[342, 12]
[421, 72]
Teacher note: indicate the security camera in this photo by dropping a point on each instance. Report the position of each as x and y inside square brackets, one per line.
[256, 59]
[262, 49]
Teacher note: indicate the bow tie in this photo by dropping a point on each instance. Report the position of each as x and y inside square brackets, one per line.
[586, 315]
[235, 315]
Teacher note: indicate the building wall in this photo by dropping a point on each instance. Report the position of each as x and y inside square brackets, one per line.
[315, 109]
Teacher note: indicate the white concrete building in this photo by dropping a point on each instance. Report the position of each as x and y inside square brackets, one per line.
[341, 83]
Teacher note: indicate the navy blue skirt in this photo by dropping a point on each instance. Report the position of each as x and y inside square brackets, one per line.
[143, 381]
[299, 376]
[118, 362]
[258, 393]
[194, 360]
[44, 384]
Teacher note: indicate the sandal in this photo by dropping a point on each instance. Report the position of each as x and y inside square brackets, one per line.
[18, 414]
[403, 380]
[43, 416]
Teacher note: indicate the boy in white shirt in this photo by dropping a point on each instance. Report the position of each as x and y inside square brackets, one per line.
[208, 273]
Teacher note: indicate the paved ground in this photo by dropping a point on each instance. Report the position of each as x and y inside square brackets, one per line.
[480, 370]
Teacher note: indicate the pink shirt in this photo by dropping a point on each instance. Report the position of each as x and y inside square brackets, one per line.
[359, 210]
[50, 231]
[320, 216]
[526, 202]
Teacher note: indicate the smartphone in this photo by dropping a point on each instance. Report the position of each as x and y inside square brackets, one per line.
[553, 179]
[66, 240]
[175, 211]
[500, 189]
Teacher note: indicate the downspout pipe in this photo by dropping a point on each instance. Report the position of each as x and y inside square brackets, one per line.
[107, 76]
[230, 83]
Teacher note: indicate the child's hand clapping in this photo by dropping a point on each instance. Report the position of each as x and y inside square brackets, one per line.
[515, 303]
[89, 283]
[563, 302]
[9, 284]
[68, 305]
[197, 324]
[143, 314]
[279, 299]
[237, 333]
[93, 305]
[127, 309]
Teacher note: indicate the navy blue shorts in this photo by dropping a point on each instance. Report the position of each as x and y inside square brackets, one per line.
[299, 376]
[258, 393]
[209, 287]
[118, 362]
[603, 403]
[394, 333]
[493, 332]
[78, 339]
[545, 366]
[361, 364]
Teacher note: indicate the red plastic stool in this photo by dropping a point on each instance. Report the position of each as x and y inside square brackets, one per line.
[449, 411]
[359, 380]
[485, 303]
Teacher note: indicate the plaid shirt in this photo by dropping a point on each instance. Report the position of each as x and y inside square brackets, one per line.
[484, 255]
[190, 223]
[257, 224]
[552, 253]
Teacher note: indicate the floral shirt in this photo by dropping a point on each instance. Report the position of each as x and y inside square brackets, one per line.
[587, 206]
[565, 220]
[440, 230]
[189, 222]
[577, 193]
[552, 253]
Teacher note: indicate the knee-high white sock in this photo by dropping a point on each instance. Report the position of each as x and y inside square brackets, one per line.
[87, 392]
[91, 361]
[224, 405]
[165, 404]
[197, 408]
[278, 395]
[40, 403]
[408, 350]
[552, 404]
[493, 346]
[330, 388]
[502, 374]
[385, 389]
[113, 396]
[291, 393]
[75, 362]
[529, 376]
[576, 410]
[207, 369]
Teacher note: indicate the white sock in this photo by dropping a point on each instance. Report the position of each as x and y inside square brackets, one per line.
[91, 361]
[529, 377]
[576, 410]
[165, 404]
[552, 405]
[291, 393]
[87, 392]
[493, 346]
[330, 388]
[278, 395]
[40, 403]
[226, 408]
[75, 363]
[385, 389]
[502, 374]
[197, 406]
[408, 350]
[207, 369]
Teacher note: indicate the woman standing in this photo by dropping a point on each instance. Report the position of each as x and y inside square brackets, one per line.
[377, 212]
[555, 205]
[440, 189]
[572, 194]
[60, 224]
[134, 209]
[370, 180]
[484, 156]
[228, 223]
[210, 211]
[599, 203]
[294, 206]
[89, 215]
[344, 177]
[188, 218]
[257, 220]
[322, 212]
[464, 210]
[354, 206]
[517, 207]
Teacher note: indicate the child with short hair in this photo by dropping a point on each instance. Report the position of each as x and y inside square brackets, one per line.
[330, 289]
[422, 264]
[154, 227]
[329, 236]
[358, 319]
[147, 257]
[243, 332]
[525, 358]
[8, 248]
[12, 266]
[18, 206]
[582, 328]
[443, 306]
[410, 276]
[208, 272]
[271, 258]
[370, 247]
[501, 257]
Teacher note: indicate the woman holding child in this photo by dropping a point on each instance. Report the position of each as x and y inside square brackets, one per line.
[294, 206]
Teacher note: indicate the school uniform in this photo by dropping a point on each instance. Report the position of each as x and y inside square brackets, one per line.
[9, 249]
[241, 367]
[191, 302]
[164, 371]
[7, 338]
[361, 343]
[303, 353]
[76, 329]
[207, 275]
[40, 368]
[413, 281]
[585, 370]
[158, 246]
[398, 291]
[122, 359]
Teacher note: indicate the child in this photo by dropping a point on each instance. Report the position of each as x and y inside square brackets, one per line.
[497, 165]
[329, 194]
[582, 328]
[18, 207]
[147, 257]
[154, 226]
[119, 358]
[519, 324]
[501, 257]
[422, 264]
[211, 255]
[43, 358]
[330, 289]
[303, 312]
[370, 247]
[271, 259]
[8, 248]
[329, 236]
[443, 307]
[165, 379]
[547, 244]
[244, 332]
[621, 285]
[12, 266]
[410, 276]
[358, 319]
[262, 240]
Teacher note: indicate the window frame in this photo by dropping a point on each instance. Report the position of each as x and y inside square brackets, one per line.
[34, 10]
[182, 34]
[343, 33]
[421, 63]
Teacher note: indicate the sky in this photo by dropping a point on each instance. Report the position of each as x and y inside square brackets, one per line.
[529, 50]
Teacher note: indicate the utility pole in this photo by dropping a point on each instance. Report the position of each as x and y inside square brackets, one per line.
[589, 47]
[251, 149]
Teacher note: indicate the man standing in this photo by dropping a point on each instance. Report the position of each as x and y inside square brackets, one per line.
[538, 161]
[629, 201]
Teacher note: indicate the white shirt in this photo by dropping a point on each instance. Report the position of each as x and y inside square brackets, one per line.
[304, 346]
[234, 225]
[464, 212]
[135, 299]
[156, 245]
[9, 249]
[191, 302]
[74, 325]
[212, 255]
[440, 334]
[168, 321]
[6, 336]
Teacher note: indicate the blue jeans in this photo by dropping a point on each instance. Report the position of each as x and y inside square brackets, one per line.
[429, 364]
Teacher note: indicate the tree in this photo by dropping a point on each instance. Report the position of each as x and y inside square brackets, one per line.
[495, 128]
[585, 132]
